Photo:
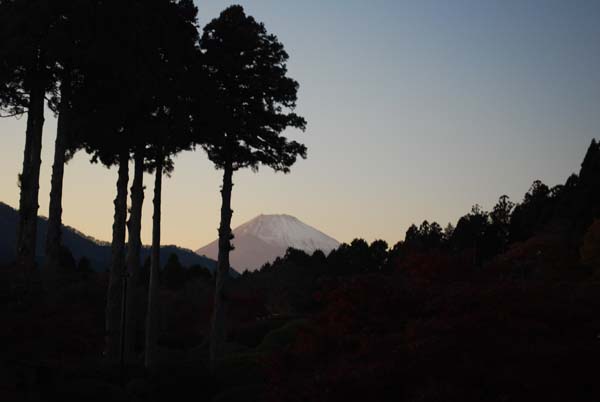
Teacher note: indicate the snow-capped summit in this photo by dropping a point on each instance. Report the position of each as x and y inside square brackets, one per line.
[267, 237]
[287, 231]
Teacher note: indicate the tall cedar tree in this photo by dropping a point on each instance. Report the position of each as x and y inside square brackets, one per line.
[26, 76]
[72, 36]
[139, 98]
[175, 37]
[253, 104]
[113, 109]
[103, 107]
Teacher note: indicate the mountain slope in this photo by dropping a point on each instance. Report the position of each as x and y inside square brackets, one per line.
[267, 237]
[81, 245]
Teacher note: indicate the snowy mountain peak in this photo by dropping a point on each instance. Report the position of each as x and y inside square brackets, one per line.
[266, 237]
[287, 231]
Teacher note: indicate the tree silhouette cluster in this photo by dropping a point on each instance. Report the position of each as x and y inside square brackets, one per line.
[135, 80]
[552, 229]
[497, 306]
[569, 208]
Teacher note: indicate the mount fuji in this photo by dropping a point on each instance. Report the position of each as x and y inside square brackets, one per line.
[267, 237]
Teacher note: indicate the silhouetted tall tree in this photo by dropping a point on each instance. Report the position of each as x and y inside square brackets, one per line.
[134, 245]
[71, 38]
[532, 213]
[253, 103]
[113, 109]
[379, 253]
[500, 217]
[163, 45]
[26, 76]
[472, 232]
[448, 231]
[175, 37]
[426, 237]
[103, 110]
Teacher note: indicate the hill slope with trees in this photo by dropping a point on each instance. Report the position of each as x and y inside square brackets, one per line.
[81, 246]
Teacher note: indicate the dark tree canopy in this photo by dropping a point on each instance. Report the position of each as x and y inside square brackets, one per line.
[253, 99]
[134, 88]
[40, 40]
[107, 103]
[25, 59]
[176, 59]
[38, 43]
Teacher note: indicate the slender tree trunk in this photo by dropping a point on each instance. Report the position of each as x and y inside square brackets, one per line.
[30, 179]
[134, 245]
[152, 312]
[115, 281]
[54, 232]
[217, 335]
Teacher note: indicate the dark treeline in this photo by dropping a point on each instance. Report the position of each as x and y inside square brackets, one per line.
[500, 306]
[480, 237]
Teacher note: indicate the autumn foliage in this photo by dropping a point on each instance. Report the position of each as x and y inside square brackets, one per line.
[382, 339]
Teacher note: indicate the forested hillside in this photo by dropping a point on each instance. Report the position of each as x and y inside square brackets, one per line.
[79, 246]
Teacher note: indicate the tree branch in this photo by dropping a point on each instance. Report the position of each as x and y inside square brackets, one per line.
[7, 116]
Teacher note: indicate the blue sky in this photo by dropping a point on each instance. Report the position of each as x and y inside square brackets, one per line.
[416, 110]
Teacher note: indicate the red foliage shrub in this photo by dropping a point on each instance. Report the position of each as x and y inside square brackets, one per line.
[439, 265]
[549, 255]
[380, 339]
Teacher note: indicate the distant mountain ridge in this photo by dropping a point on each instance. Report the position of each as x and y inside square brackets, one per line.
[267, 237]
[81, 245]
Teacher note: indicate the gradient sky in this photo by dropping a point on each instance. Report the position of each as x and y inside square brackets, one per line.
[416, 110]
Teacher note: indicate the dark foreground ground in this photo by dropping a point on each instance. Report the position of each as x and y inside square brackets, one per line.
[365, 337]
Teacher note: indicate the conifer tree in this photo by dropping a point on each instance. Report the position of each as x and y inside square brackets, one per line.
[176, 39]
[253, 103]
[26, 76]
[70, 40]
[135, 97]
[110, 106]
